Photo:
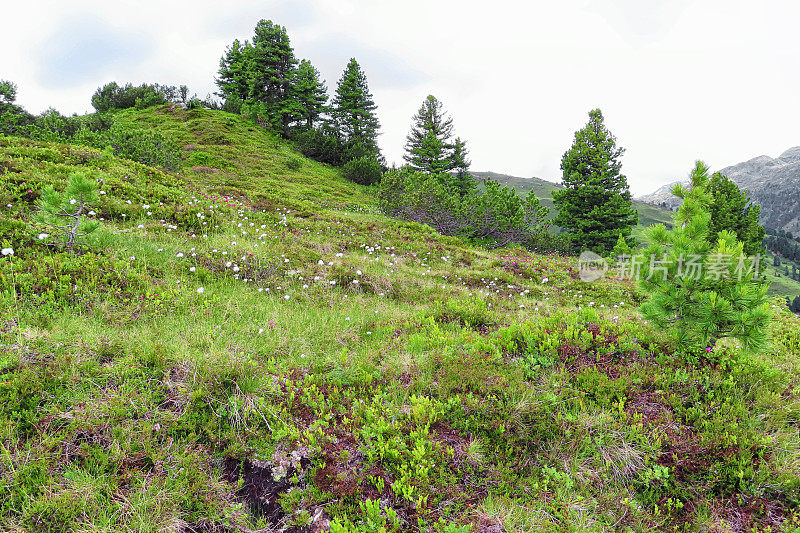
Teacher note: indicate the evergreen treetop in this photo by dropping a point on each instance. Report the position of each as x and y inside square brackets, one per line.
[310, 93]
[354, 109]
[595, 204]
[429, 148]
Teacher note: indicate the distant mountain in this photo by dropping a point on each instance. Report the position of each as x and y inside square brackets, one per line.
[663, 197]
[543, 189]
[772, 183]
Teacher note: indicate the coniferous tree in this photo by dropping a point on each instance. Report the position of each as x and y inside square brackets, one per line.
[595, 204]
[354, 113]
[428, 147]
[723, 297]
[234, 71]
[459, 165]
[271, 72]
[65, 213]
[310, 93]
[263, 72]
[732, 210]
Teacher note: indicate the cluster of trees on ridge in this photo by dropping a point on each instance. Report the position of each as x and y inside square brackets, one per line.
[263, 80]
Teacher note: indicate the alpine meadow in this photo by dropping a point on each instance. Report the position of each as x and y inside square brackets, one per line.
[237, 314]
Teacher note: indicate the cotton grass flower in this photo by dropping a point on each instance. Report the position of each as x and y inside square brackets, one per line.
[7, 251]
[201, 290]
[43, 236]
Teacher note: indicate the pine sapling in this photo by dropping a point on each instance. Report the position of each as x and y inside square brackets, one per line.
[701, 286]
[65, 213]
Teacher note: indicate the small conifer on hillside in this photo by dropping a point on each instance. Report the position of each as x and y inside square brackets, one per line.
[702, 287]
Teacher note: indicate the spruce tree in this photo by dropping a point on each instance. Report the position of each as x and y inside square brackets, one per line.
[459, 166]
[595, 204]
[428, 147]
[700, 286]
[310, 93]
[354, 113]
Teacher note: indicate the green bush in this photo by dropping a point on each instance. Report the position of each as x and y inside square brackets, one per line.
[320, 146]
[111, 96]
[496, 217]
[365, 170]
[294, 163]
[144, 146]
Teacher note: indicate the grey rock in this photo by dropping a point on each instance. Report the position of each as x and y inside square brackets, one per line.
[772, 183]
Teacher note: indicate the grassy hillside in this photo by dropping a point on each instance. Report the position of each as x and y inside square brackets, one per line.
[248, 345]
[648, 214]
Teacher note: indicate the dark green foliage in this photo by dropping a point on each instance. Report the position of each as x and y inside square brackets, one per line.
[354, 112]
[320, 145]
[271, 68]
[144, 146]
[732, 210]
[497, 216]
[310, 94]
[782, 243]
[64, 214]
[12, 116]
[111, 96]
[8, 93]
[263, 72]
[365, 170]
[428, 147]
[459, 166]
[699, 308]
[595, 204]
[233, 80]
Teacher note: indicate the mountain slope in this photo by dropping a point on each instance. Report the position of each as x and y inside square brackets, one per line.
[246, 345]
[772, 183]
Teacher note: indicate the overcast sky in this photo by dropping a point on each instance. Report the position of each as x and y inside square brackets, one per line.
[677, 80]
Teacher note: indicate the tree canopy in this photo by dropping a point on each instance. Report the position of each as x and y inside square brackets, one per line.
[595, 204]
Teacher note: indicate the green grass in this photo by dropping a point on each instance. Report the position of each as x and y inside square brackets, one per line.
[543, 190]
[461, 388]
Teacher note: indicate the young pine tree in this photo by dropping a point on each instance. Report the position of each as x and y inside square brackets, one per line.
[354, 113]
[64, 213]
[595, 204]
[701, 287]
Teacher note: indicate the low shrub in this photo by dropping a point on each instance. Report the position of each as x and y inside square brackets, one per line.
[365, 170]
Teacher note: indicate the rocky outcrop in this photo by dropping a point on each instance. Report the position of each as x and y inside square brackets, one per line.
[772, 183]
